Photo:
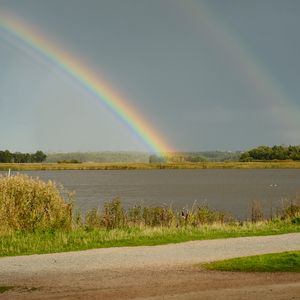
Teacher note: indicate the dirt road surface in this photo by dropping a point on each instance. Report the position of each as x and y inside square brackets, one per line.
[157, 272]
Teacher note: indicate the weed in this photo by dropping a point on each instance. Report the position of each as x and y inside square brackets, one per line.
[256, 211]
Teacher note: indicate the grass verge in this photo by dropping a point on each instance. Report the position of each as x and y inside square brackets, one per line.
[275, 262]
[25, 243]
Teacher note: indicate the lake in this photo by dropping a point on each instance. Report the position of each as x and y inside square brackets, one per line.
[228, 190]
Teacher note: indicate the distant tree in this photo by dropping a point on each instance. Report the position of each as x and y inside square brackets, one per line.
[5, 156]
[18, 157]
[272, 153]
[246, 157]
[39, 156]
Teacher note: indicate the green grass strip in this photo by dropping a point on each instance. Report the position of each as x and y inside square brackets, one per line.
[25, 243]
[277, 262]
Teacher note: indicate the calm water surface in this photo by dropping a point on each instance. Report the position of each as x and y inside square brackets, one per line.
[228, 190]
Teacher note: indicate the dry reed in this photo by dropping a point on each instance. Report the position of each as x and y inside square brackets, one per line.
[28, 204]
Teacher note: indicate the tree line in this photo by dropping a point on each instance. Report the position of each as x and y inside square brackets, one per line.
[272, 153]
[18, 157]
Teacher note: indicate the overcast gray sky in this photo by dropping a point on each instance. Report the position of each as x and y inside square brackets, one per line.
[207, 75]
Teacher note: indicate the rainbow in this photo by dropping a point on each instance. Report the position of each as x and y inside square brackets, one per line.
[90, 81]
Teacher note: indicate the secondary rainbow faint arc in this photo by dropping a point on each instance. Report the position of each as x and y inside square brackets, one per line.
[89, 80]
[279, 104]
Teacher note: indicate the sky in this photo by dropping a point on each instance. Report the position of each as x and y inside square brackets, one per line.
[204, 75]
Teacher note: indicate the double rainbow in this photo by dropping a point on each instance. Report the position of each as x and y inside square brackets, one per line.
[90, 81]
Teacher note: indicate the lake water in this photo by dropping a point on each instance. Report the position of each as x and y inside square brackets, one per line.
[227, 190]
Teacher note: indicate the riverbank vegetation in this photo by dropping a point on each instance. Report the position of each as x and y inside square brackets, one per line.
[275, 262]
[35, 218]
[146, 166]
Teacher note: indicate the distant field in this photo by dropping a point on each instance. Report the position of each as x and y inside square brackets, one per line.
[146, 166]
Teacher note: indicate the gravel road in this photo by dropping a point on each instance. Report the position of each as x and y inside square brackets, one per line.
[139, 257]
[118, 273]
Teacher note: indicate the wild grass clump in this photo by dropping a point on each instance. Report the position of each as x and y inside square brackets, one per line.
[202, 214]
[29, 204]
[288, 210]
[291, 209]
[257, 213]
[114, 216]
[159, 216]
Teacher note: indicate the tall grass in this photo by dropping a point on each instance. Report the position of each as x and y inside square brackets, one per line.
[114, 216]
[30, 204]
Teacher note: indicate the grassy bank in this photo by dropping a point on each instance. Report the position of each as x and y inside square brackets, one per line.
[152, 166]
[275, 262]
[34, 218]
[24, 243]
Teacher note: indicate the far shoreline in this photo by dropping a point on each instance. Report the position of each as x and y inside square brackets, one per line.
[149, 166]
